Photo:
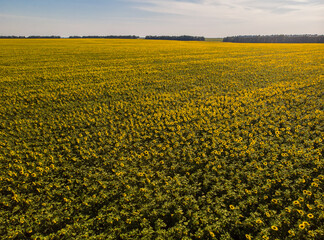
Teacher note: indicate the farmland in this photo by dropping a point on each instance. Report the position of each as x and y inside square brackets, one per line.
[150, 139]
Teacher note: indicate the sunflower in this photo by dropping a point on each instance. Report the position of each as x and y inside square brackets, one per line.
[275, 228]
[301, 226]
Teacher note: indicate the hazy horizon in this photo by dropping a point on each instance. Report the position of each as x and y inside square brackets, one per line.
[209, 18]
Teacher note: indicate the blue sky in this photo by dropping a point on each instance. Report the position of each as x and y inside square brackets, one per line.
[210, 18]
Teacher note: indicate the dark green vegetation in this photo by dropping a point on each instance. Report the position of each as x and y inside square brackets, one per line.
[14, 37]
[180, 38]
[109, 37]
[276, 39]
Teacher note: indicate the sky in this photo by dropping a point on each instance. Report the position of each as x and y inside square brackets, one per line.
[209, 18]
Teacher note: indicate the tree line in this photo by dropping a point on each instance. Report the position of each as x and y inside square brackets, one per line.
[110, 36]
[30, 37]
[12, 37]
[180, 38]
[307, 38]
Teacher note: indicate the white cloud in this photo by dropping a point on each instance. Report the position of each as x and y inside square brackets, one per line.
[243, 16]
[230, 8]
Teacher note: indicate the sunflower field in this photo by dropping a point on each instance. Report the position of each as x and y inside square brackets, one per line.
[150, 139]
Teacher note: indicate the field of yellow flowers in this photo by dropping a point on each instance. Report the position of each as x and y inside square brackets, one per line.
[149, 139]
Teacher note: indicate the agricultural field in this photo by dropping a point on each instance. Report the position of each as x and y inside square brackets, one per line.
[150, 139]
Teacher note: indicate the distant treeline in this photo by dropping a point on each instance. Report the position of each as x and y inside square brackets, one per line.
[110, 36]
[181, 38]
[12, 37]
[44, 37]
[30, 37]
[276, 39]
